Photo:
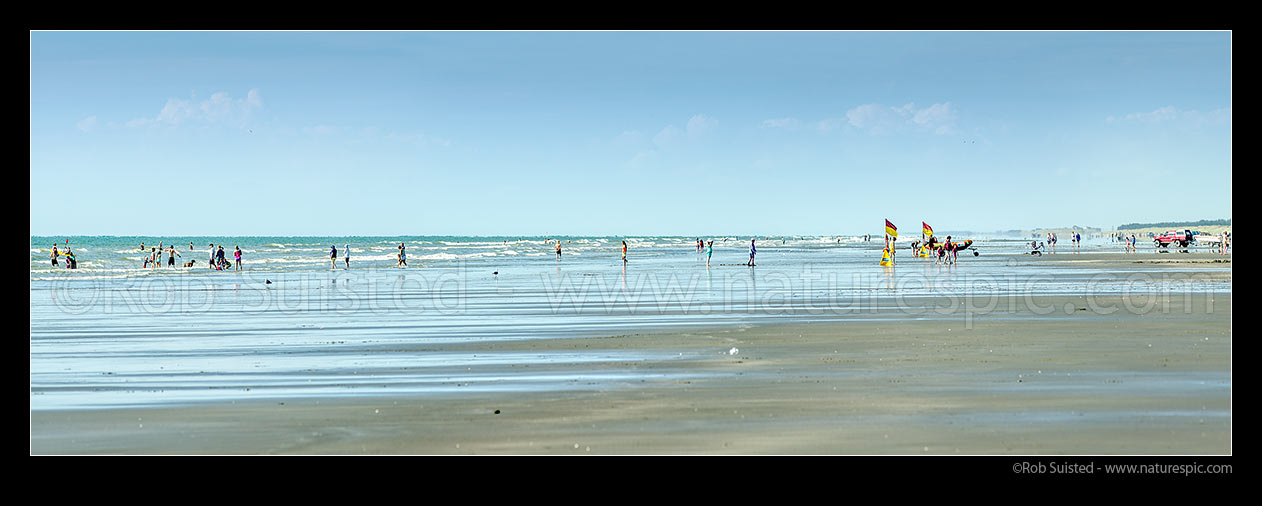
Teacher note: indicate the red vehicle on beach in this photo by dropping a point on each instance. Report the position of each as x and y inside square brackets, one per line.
[1179, 238]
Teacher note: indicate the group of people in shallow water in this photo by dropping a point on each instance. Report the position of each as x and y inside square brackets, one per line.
[71, 261]
[946, 252]
[1129, 243]
[702, 246]
[154, 257]
[219, 263]
[215, 261]
[707, 247]
[1049, 246]
[401, 258]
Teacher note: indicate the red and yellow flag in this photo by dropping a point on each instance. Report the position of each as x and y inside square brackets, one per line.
[890, 229]
[928, 229]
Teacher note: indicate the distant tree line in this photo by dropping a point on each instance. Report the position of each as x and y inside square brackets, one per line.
[1169, 224]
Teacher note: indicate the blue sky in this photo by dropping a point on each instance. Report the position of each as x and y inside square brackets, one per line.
[635, 133]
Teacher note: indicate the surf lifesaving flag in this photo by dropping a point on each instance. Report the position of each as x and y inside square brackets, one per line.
[890, 229]
[928, 229]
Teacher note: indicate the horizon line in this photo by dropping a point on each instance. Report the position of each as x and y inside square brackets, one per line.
[876, 233]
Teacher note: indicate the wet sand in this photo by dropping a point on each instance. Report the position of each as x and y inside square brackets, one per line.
[1119, 262]
[1035, 375]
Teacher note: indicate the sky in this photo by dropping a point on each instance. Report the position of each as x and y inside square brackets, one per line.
[624, 133]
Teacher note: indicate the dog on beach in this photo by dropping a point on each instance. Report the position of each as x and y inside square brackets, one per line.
[189, 263]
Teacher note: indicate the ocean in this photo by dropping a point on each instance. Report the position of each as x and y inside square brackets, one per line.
[113, 333]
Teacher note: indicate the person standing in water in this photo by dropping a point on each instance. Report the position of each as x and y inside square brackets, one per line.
[624, 252]
[346, 248]
[54, 255]
[558, 250]
[709, 250]
[237, 256]
[219, 260]
[171, 254]
[403, 255]
[752, 251]
[210, 262]
[333, 257]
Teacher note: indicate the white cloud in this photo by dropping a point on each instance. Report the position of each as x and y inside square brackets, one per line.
[824, 125]
[643, 159]
[700, 124]
[697, 126]
[1187, 117]
[828, 125]
[934, 115]
[1222, 115]
[868, 116]
[320, 130]
[877, 118]
[416, 138]
[176, 111]
[629, 138]
[667, 136]
[766, 163]
[781, 123]
[86, 124]
[220, 108]
[254, 98]
[1161, 114]
[406, 137]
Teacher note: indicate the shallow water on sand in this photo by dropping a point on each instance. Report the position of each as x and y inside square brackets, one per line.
[113, 334]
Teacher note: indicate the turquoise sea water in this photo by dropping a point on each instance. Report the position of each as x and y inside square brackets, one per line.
[113, 333]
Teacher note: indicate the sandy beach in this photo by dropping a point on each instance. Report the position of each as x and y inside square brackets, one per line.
[891, 244]
[1111, 374]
